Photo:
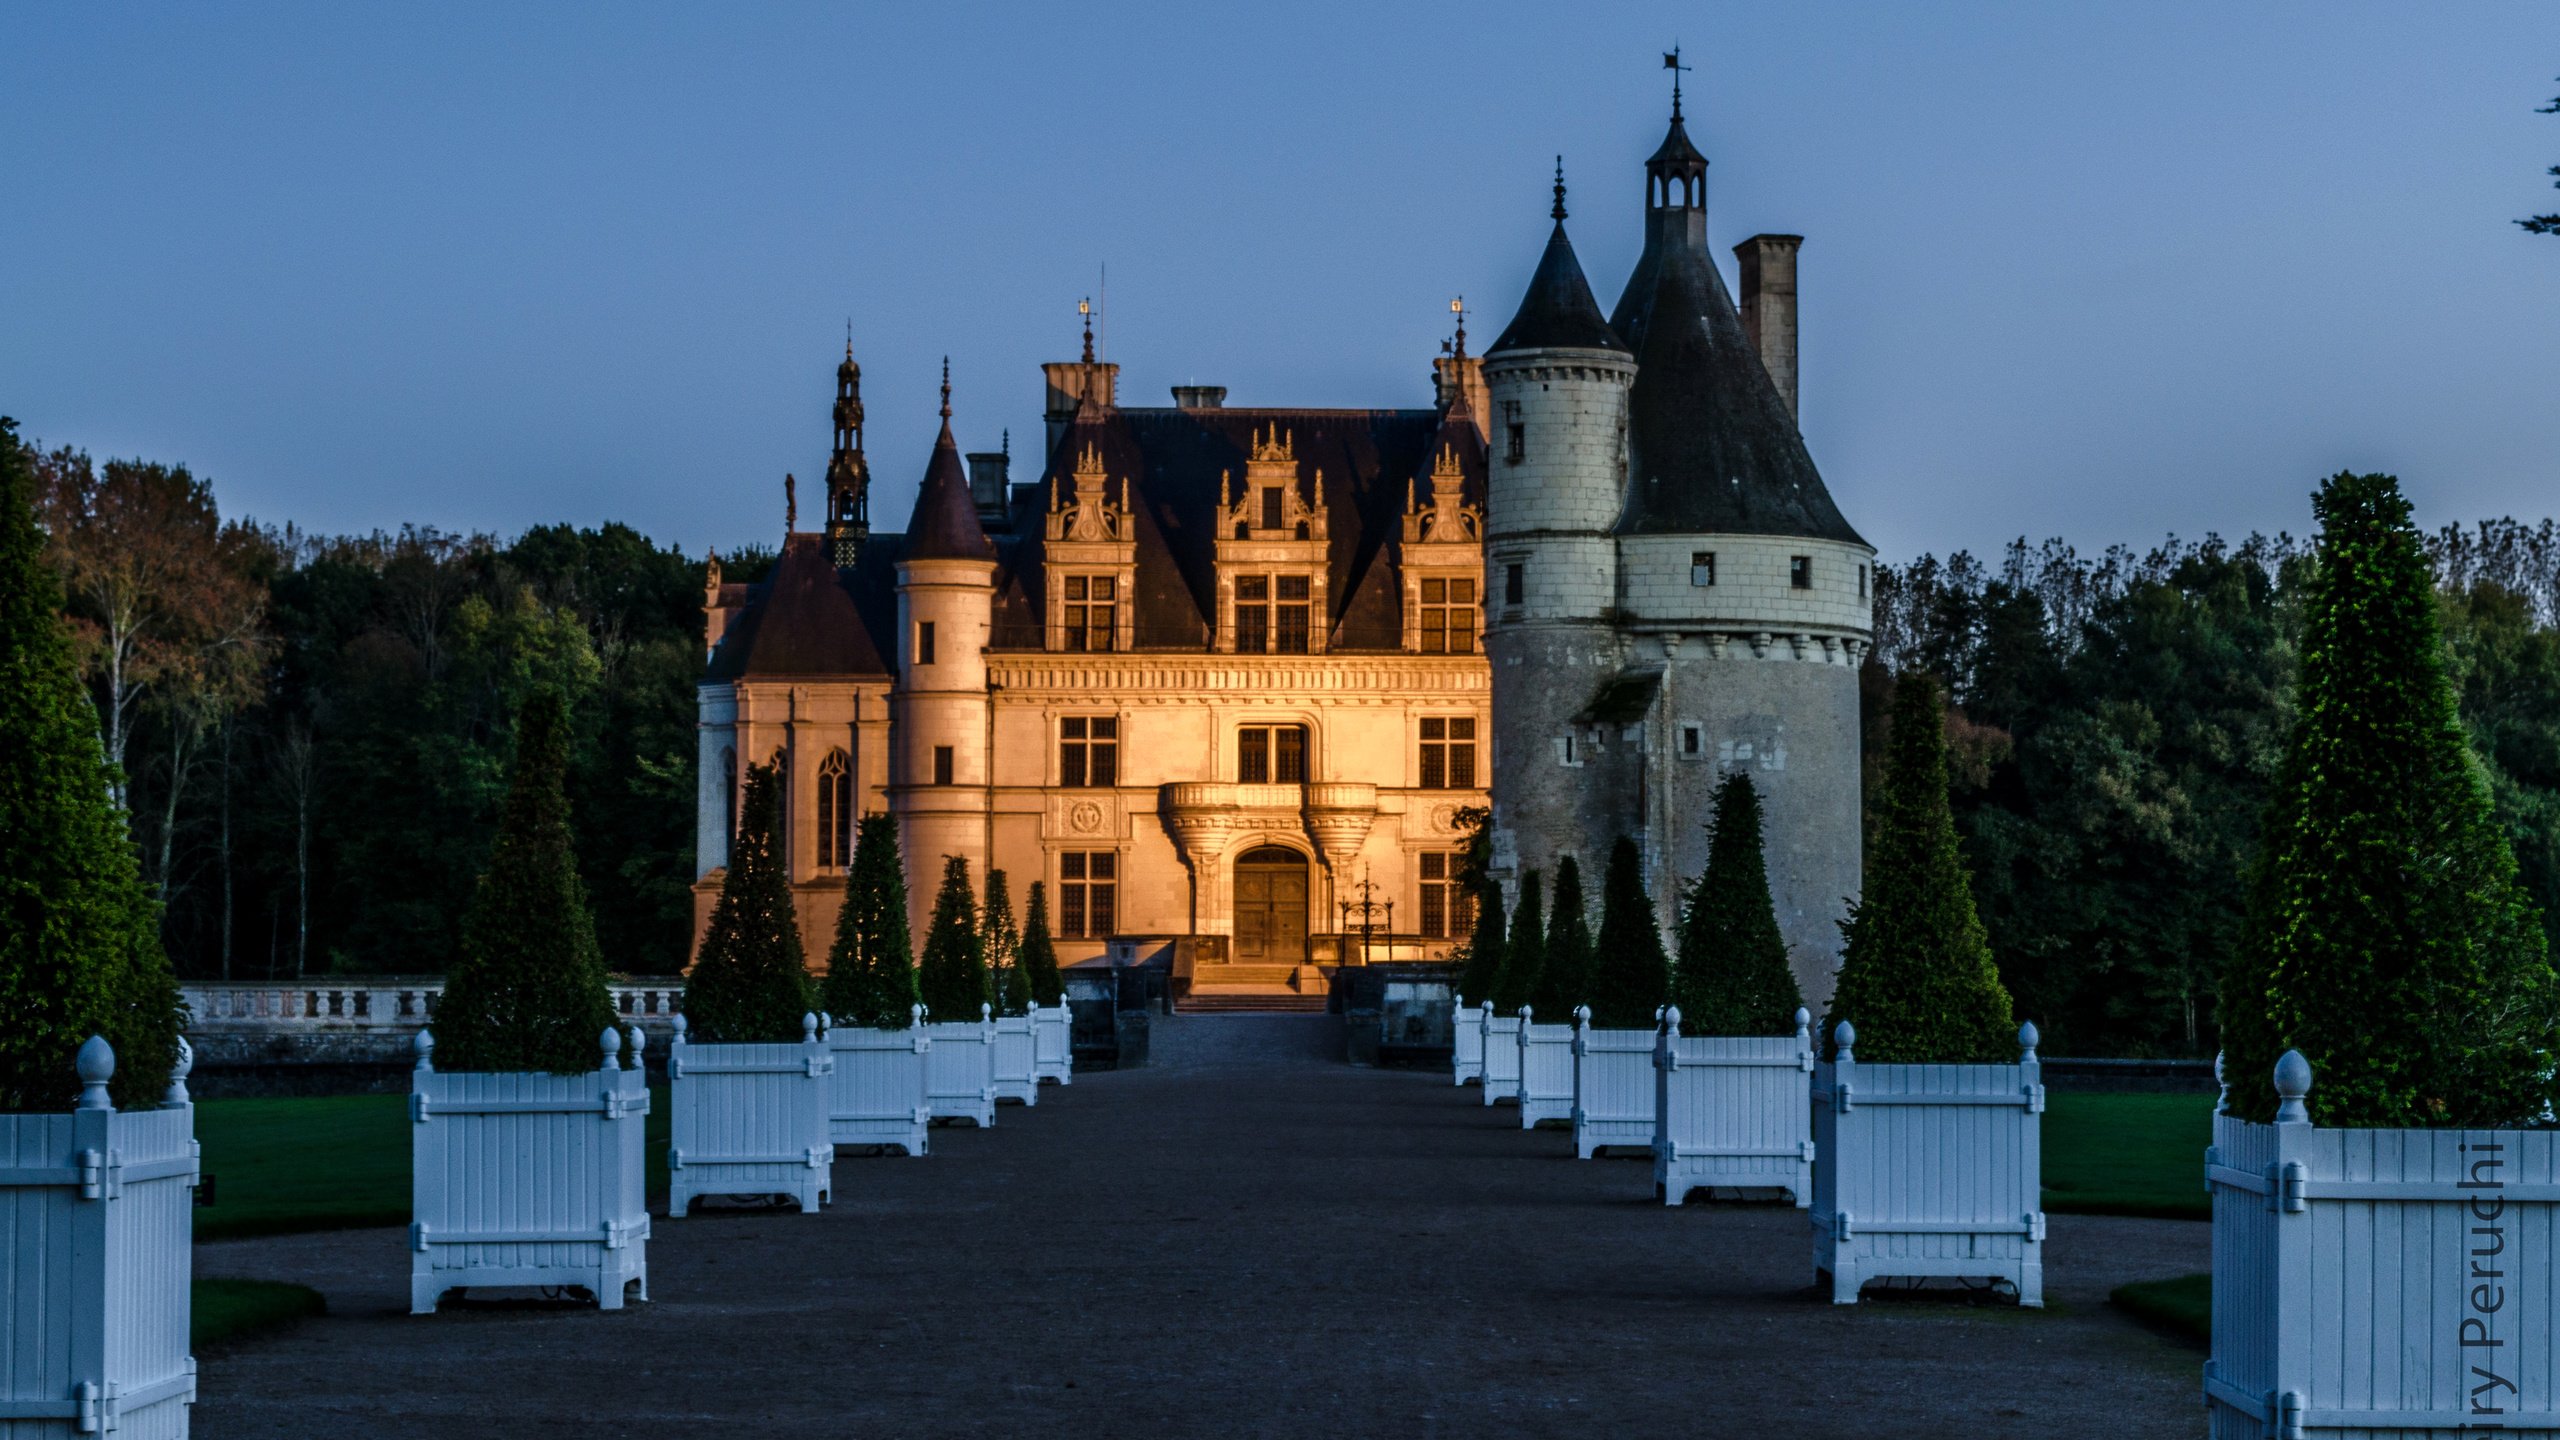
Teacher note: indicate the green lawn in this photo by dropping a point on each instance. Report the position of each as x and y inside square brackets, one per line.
[228, 1309]
[2127, 1154]
[2184, 1305]
[326, 1164]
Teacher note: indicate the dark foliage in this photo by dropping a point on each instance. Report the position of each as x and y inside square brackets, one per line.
[871, 969]
[953, 977]
[1479, 957]
[750, 983]
[1524, 953]
[1039, 951]
[1007, 986]
[1733, 977]
[1630, 977]
[1564, 975]
[528, 990]
[2387, 936]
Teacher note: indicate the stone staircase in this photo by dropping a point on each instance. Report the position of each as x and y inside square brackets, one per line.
[1221, 987]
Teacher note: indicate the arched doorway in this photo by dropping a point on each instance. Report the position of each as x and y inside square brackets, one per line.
[1271, 907]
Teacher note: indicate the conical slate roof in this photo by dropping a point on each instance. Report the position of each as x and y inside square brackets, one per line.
[1559, 311]
[945, 524]
[1711, 447]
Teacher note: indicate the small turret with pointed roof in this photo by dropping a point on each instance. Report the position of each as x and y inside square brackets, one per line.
[1558, 312]
[848, 474]
[945, 524]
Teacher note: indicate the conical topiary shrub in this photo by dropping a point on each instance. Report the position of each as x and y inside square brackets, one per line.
[871, 968]
[1630, 976]
[1480, 969]
[1564, 977]
[1916, 975]
[750, 984]
[1733, 977]
[1001, 944]
[2387, 937]
[80, 947]
[1039, 952]
[528, 991]
[953, 977]
[1524, 956]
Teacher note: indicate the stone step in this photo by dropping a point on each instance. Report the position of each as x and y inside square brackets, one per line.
[1282, 1002]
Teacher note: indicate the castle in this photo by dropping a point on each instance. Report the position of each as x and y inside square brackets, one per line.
[1226, 679]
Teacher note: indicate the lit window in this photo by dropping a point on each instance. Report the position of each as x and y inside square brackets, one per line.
[1088, 894]
[1089, 751]
[941, 764]
[1449, 753]
[835, 811]
[1447, 909]
[1702, 567]
[1271, 755]
[1448, 617]
[1091, 613]
[1800, 571]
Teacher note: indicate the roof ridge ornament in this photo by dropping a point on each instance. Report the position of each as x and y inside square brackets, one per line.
[1281, 446]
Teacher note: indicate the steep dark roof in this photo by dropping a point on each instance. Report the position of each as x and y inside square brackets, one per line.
[1711, 448]
[806, 620]
[945, 524]
[1558, 312]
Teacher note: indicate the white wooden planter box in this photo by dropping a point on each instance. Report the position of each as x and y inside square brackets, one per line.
[2375, 1282]
[1501, 1046]
[1013, 1061]
[1612, 1086]
[97, 1209]
[1053, 1053]
[1733, 1111]
[1546, 1070]
[529, 1179]
[959, 1071]
[1466, 1034]
[1929, 1170]
[749, 1119]
[876, 1096]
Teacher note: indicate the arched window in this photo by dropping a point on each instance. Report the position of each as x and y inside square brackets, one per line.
[835, 811]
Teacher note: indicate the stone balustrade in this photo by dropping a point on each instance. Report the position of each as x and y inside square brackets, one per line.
[388, 1004]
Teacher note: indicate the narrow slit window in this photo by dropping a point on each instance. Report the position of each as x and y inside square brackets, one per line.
[1702, 567]
[1800, 571]
[942, 765]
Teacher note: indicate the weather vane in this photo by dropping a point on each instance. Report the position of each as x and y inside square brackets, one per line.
[1671, 62]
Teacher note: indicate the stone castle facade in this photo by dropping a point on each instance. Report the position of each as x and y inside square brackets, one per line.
[1218, 673]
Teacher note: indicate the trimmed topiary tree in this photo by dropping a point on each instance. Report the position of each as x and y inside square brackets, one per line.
[2387, 937]
[1001, 943]
[1630, 976]
[1479, 958]
[750, 982]
[871, 968]
[1524, 955]
[953, 977]
[1733, 977]
[1039, 954]
[1916, 975]
[528, 990]
[80, 950]
[1564, 979]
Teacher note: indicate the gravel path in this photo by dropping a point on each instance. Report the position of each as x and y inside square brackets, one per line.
[1247, 1238]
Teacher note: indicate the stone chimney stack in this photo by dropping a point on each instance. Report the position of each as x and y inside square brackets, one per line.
[1769, 306]
[989, 473]
[1199, 397]
[1069, 382]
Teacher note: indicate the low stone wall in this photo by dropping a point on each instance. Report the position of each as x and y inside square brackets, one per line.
[236, 1064]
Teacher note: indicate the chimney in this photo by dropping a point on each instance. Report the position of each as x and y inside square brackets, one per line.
[1199, 397]
[1453, 375]
[1069, 382]
[1769, 307]
[988, 474]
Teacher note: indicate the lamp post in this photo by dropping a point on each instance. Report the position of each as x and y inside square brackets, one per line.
[1369, 908]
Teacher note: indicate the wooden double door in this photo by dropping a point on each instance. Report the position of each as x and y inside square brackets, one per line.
[1271, 907]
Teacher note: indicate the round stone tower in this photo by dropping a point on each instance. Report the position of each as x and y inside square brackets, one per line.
[938, 779]
[1557, 379]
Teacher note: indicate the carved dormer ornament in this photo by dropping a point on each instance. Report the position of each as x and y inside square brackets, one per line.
[1087, 512]
[1282, 446]
[1448, 519]
[1270, 505]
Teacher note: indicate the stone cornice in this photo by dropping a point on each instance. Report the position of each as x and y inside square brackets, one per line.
[1144, 678]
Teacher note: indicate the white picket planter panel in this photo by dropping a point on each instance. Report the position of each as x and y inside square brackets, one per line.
[1053, 1054]
[877, 1094]
[2377, 1282]
[1466, 1035]
[749, 1119]
[959, 1071]
[1501, 1047]
[1013, 1061]
[1929, 1170]
[97, 1209]
[529, 1179]
[1612, 1086]
[1546, 1070]
[1734, 1111]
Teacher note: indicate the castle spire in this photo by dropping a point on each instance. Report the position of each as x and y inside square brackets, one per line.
[1558, 212]
[848, 474]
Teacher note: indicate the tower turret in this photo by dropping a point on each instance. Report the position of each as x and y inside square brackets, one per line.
[1557, 381]
[939, 775]
[848, 475]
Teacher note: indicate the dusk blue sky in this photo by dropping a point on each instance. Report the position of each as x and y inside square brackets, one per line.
[2101, 272]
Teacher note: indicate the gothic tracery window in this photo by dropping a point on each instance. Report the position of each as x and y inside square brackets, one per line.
[835, 811]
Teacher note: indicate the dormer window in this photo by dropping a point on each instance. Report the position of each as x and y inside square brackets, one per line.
[1271, 507]
[1090, 616]
[1448, 616]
